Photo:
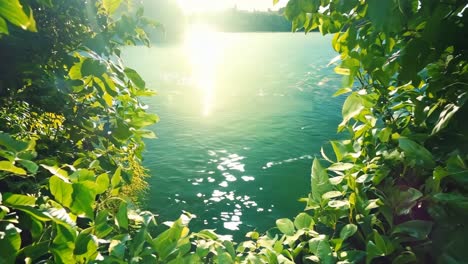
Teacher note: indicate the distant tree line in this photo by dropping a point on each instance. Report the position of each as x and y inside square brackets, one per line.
[174, 21]
[234, 20]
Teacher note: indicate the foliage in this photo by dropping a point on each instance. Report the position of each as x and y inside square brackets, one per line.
[395, 191]
[71, 129]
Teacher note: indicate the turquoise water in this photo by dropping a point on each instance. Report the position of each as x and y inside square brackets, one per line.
[242, 116]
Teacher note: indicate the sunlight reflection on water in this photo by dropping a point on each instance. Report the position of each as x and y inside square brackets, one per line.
[204, 49]
[242, 115]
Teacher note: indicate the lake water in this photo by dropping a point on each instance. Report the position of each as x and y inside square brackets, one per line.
[242, 116]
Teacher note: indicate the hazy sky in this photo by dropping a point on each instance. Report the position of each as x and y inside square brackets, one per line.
[191, 6]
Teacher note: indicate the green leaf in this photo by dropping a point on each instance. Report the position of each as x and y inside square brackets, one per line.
[418, 229]
[406, 200]
[166, 242]
[454, 199]
[92, 67]
[225, 258]
[342, 71]
[111, 5]
[372, 252]
[320, 247]
[102, 183]
[286, 226]
[62, 191]
[75, 71]
[122, 216]
[3, 26]
[116, 178]
[342, 91]
[135, 78]
[275, 2]
[85, 247]
[18, 199]
[303, 220]
[55, 170]
[12, 11]
[405, 258]
[10, 244]
[340, 166]
[348, 231]
[351, 108]
[384, 15]
[29, 165]
[36, 251]
[83, 200]
[10, 167]
[63, 243]
[415, 154]
[320, 181]
[444, 118]
[331, 194]
[12, 144]
[384, 134]
[338, 203]
[35, 213]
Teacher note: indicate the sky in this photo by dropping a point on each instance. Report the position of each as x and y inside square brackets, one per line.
[194, 6]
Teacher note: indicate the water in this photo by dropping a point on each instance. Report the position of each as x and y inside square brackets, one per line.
[242, 116]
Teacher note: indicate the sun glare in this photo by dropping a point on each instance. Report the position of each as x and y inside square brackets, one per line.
[199, 6]
[204, 48]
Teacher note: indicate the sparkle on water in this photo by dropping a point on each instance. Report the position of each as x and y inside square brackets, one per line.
[240, 122]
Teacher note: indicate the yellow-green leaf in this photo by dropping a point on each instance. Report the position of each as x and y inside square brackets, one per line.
[111, 5]
[10, 167]
[12, 11]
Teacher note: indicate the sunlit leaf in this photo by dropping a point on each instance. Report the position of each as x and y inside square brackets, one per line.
[351, 107]
[303, 220]
[12, 11]
[319, 180]
[348, 231]
[61, 190]
[111, 5]
[286, 226]
[18, 199]
[10, 167]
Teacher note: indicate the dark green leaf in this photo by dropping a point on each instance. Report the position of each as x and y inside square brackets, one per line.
[416, 154]
[135, 78]
[92, 67]
[10, 243]
[122, 216]
[415, 228]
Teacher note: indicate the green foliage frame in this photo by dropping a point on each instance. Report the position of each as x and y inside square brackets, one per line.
[395, 191]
